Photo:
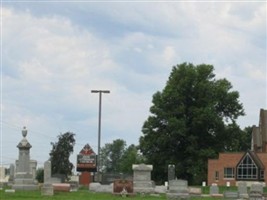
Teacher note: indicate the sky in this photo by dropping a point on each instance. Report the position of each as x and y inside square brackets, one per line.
[53, 53]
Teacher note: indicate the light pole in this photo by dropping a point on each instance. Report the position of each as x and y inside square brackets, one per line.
[99, 125]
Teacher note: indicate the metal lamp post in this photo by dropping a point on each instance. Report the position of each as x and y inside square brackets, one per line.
[99, 124]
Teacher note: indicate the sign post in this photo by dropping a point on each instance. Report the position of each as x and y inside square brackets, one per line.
[86, 163]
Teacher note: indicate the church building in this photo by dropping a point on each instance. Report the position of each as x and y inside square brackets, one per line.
[243, 166]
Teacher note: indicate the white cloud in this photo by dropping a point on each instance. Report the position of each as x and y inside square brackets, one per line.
[50, 63]
[169, 54]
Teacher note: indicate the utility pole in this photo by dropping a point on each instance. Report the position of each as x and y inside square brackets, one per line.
[99, 126]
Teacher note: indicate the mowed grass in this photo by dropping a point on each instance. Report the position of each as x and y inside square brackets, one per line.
[79, 195]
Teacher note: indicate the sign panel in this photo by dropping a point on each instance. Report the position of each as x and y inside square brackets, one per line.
[86, 160]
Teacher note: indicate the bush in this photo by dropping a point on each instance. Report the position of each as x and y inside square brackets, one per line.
[40, 175]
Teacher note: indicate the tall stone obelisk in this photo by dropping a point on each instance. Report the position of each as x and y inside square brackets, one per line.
[24, 179]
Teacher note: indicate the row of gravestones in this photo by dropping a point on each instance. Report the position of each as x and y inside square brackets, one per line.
[142, 184]
[255, 193]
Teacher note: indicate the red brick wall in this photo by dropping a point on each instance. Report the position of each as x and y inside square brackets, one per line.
[85, 178]
[224, 160]
[263, 158]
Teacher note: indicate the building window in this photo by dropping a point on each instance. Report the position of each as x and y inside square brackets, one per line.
[247, 169]
[216, 175]
[262, 175]
[229, 172]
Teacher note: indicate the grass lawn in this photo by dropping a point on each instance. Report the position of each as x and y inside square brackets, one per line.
[79, 195]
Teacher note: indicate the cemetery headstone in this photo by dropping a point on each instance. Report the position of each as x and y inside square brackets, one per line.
[256, 191]
[231, 195]
[171, 172]
[47, 171]
[97, 187]
[178, 189]
[214, 190]
[161, 189]
[61, 187]
[142, 182]
[2, 174]
[243, 189]
[195, 191]
[11, 173]
[24, 179]
[123, 186]
[94, 186]
[47, 189]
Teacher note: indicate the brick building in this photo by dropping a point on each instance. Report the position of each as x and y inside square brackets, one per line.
[243, 166]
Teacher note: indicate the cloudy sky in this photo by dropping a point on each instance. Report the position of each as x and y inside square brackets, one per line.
[54, 53]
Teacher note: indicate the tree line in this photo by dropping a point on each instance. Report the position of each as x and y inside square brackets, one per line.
[191, 120]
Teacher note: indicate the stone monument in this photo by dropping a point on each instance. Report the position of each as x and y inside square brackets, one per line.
[47, 189]
[256, 191]
[243, 190]
[178, 189]
[24, 179]
[171, 172]
[142, 179]
[2, 174]
[11, 173]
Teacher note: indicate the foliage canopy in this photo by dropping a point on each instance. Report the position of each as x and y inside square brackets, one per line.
[60, 153]
[117, 158]
[191, 120]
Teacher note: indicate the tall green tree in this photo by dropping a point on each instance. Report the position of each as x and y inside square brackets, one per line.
[60, 153]
[116, 157]
[189, 122]
[131, 156]
[240, 139]
[111, 155]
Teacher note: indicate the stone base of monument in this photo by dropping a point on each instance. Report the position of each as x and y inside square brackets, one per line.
[143, 187]
[25, 184]
[177, 196]
[25, 187]
[178, 189]
[47, 190]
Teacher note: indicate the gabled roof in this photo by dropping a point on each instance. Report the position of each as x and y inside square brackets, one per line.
[254, 157]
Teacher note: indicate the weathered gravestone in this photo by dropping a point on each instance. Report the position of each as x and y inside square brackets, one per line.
[243, 190]
[171, 172]
[142, 179]
[2, 174]
[47, 189]
[256, 191]
[214, 190]
[123, 187]
[195, 191]
[24, 178]
[231, 194]
[11, 173]
[97, 187]
[178, 189]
